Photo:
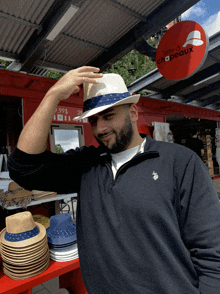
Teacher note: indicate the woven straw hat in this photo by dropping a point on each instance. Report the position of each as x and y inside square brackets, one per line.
[66, 254]
[22, 276]
[25, 249]
[21, 231]
[110, 92]
[45, 221]
[62, 230]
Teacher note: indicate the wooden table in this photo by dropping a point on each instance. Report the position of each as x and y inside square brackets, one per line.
[68, 272]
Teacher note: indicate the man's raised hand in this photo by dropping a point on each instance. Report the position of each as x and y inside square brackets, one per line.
[70, 82]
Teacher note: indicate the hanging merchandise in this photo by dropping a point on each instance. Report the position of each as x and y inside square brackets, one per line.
[162, 132]
[24, 248]
[217, 144]
[208, 154]
[62, 238]
[18, 196]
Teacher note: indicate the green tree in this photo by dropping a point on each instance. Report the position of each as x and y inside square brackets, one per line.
[54, 74]
[4, 63]
[58, 149]
[132, 66]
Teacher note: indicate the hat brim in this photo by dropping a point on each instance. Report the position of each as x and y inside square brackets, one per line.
[26, 268]
[28, 249]
[26, 276]
[27, 242]
[25, 262]
[29, 258]
[131, 99]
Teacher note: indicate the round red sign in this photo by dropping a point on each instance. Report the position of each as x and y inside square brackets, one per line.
[182, 50]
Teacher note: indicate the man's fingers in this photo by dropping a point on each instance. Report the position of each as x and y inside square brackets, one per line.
[88, 69]
[92, 81]
[90, 77]
[90, 74]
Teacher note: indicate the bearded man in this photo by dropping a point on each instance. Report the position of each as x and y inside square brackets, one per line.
[148, 215]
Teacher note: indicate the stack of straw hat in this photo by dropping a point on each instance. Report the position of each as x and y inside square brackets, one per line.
[24, 248]
[45, 221]
[62, 238]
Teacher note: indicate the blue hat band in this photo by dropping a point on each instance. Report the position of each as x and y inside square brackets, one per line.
[103, 100]
[21, 236]
[61, 236]
[61, 233]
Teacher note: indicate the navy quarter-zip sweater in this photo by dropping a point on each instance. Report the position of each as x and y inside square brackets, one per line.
[155, 229]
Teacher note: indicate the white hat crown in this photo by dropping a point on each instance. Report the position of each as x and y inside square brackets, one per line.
[108, 84]
[109, 92]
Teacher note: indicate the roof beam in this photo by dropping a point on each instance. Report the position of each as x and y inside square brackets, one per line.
[211, 100]
[160, 17]
[145, 48]
[200, 76]
[214, 43]
[8, 55]
[52, 66]
[83, 41]
[147, 79]
[207, 89]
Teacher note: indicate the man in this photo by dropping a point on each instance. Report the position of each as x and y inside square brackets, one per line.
[148, 216]
[195, 143]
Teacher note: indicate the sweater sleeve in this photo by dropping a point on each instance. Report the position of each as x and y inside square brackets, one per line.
[200, 214]
[47, 171]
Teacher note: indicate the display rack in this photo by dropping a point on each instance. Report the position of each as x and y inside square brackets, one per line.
[68, 272]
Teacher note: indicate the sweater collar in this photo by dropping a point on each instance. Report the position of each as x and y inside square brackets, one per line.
[147, 149]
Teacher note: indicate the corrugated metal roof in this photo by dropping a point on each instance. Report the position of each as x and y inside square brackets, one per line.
[99, 33]
[18, 21]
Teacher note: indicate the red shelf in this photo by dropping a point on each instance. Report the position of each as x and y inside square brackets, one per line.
[55, 269]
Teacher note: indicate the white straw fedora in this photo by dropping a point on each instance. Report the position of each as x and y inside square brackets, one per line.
[110, 92]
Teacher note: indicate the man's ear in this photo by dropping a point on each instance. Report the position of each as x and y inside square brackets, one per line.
[133, 110]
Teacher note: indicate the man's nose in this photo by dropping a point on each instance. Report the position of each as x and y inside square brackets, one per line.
[101, 126]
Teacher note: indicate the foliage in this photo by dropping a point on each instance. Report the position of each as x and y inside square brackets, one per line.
[132, 66]
[58, 149]
[5, 63]
[54, 74]
[50, 74]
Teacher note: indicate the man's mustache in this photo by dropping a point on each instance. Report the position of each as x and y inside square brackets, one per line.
[104, 134]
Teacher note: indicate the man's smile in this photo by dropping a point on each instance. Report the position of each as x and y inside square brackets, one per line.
[106, 136]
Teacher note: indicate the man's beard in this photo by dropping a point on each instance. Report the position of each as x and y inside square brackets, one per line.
[122, 139]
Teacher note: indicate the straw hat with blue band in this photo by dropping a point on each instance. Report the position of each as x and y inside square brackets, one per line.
[110, 92]
[23, 244]
[21, 231]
